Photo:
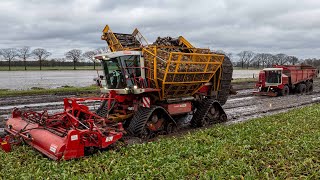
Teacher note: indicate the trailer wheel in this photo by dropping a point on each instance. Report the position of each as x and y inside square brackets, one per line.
[301, 88]
[309, 87]
[285, 91]
[208, 112]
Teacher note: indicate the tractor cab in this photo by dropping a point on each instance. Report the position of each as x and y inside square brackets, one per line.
[272, 76]
[123, 72]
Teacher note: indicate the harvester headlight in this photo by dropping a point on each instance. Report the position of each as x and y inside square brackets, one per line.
[135, 87]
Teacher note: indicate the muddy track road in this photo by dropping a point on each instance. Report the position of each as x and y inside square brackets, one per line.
[240, 107]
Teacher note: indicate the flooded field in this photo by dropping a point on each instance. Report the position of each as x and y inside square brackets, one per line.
[45, 79]
[245, 74]
[54, 79]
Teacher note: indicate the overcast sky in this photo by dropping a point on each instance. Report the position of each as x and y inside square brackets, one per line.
[287, 26]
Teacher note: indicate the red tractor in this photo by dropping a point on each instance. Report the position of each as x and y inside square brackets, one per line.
[280, 80]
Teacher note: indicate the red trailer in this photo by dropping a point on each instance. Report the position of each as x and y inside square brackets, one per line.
[283, 79]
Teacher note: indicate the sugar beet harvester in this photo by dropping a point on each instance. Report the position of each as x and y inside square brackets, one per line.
[283, 79]
[147, 88]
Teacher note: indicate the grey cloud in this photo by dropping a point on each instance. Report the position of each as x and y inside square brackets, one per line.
[288, 26]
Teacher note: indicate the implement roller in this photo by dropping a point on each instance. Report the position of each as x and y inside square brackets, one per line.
[63, 135]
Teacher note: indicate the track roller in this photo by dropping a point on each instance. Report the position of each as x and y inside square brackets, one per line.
[147, 123]
[208, 112]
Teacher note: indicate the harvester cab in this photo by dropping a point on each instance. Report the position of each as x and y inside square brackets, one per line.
[124, 72]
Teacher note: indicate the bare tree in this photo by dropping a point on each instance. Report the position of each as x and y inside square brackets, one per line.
[24, 53]
[281, 58]
[9, 54]
[90, 56]
[102, 50]
[75, 55]
[40, 54]
[311, 61]
[257, 60]
[219, 51]
[230, 56]
[246, 57]
[293, 60]
[263, 59]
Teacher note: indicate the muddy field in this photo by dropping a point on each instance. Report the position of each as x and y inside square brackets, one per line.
[240, 107]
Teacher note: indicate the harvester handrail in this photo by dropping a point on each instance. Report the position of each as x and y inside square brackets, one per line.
[175, 47]
[107, 31]
[184, 41]
[196, 54]
[185, 82]
[144, 49]
[136, 33]
[208, 72]
[194, 62]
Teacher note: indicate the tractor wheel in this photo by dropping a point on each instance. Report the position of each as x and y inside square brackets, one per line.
[208, 112]
[225, 81]
[309, 87]
[285, 91]
[301, 88]
[148, 122]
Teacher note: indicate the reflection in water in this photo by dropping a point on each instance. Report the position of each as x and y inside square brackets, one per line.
[45, 79]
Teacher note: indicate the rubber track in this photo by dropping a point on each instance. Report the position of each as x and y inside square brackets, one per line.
[102, 110]
[225, 82]
[139, 120]
[202, 111]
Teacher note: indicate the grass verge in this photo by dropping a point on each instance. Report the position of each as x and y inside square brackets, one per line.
[281, 146]
[40, 91]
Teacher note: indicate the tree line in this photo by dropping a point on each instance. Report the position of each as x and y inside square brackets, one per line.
[243, 59]
[246, 59]
[41, 55]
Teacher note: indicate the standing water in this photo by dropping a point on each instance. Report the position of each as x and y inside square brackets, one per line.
[77, 78]
[45, 79]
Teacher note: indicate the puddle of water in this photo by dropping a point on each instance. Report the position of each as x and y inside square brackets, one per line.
[41, 104]
[240, 99]
[240, 111]
[30, 105]
[316, 99]
[45, 79]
